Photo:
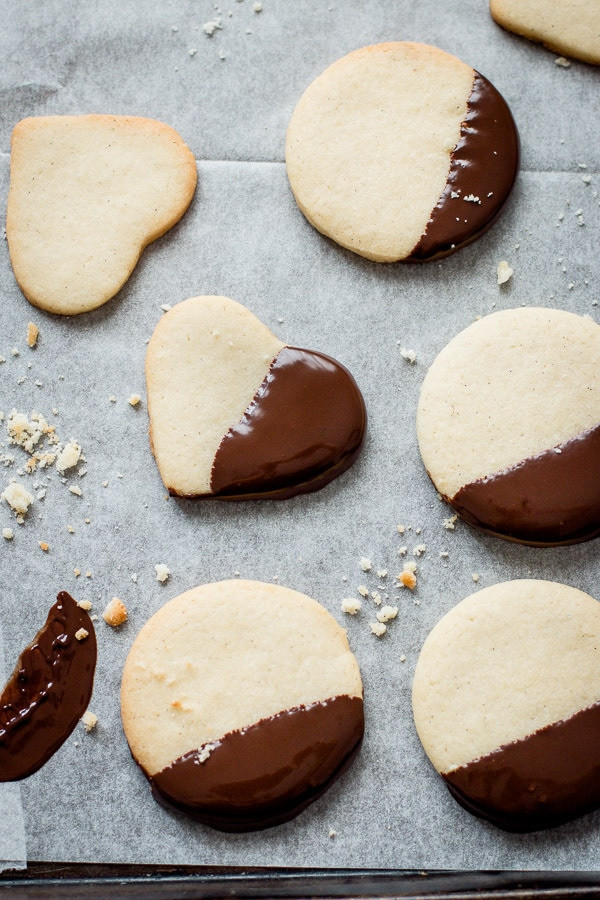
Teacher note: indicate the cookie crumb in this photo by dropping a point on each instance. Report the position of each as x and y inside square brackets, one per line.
[378, 628]
[351, 605]
[503, 272]
[400, 529]
[81, 634]
[204, 753]
[403, 658]
[376, 598]
[85, 604]
[76, 572]
[332, 833]
[162, 572]
[409, 355]
[32, 334]
[475, 577]
[7, 534]
[366, 564]
[363, 590]
[209, 28]
[419, 550]
[407, 576]
[74, 489]
[44, 546]
[386, 613]
[18, 498]
[382, 573]
[70, 529]
[257, 7]
[449, 524]
[133, 399]
[166, 307]
[562, 62]
[90, 720]
[115, 613]
[68, 457]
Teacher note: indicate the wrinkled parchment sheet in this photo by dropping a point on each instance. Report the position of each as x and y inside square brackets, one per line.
[244, 237]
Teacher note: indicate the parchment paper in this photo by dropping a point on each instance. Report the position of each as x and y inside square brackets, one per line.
[244, 237]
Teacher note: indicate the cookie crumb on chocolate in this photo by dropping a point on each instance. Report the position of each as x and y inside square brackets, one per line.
[81, 634]
[115, 613]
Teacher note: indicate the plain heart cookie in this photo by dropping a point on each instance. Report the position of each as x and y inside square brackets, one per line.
[506, 702]
[87, 194]
[571, 27]
[400, 151]
[242, 702]
[235, 413]
[509, 425]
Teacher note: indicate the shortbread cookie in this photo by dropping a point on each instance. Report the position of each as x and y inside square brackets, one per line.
[87, 194]
[235, 413]
[241, 702]
[400, 151]
[49, 690]
[506, 700]
[509, 425]
[571, 27]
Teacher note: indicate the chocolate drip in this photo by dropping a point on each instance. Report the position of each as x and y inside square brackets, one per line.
[269, 772]
[48, 691]
[484, 164]
[552, 498]
[549, 777]
[304, 427]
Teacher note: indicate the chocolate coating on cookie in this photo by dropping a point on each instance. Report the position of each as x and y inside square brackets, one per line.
[483, 165]
[266, 773]
[548, 778]
[304, 427]
[552, 498]
[48, 691]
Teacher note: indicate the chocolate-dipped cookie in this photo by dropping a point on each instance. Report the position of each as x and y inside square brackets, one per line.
[400, 151]
[49, 690]
[241, 702]
[506, 702]
[235, 413]
[509, 425]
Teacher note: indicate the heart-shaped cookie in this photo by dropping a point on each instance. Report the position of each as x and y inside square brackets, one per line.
[237, 414]
[87, 194]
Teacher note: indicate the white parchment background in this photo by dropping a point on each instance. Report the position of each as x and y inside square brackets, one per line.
[244, 237]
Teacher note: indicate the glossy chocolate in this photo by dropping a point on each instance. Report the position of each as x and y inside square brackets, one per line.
[269, 772]
[48, 691]
[304, 427]
[545, 779]
[552, 498]
[484, 164]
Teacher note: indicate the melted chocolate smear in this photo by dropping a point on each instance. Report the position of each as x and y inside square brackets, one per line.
[48, 691]
[484, 165]
[304, 427]
[549, 777]
[267, 773]
[552, 498]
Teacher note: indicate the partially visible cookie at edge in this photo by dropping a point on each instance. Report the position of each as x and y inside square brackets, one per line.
[235, 413]
[506, 702]
[242, 702]
[508, 425]
[400, 151]
[570, 27]
[87, 194]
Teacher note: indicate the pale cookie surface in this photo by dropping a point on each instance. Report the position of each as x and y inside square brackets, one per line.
[236, 413]
[509, 425]
[225, 686]
[401, 151]
[506, 702]
[571, 27]
[87, 194]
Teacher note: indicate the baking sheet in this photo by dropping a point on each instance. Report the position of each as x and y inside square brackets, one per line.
[244, 237]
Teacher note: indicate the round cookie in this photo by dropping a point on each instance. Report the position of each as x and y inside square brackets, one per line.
[237, 414]
[571, 27]
[506, 702]
[241, 702]
[509, 425]
[400, 151]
